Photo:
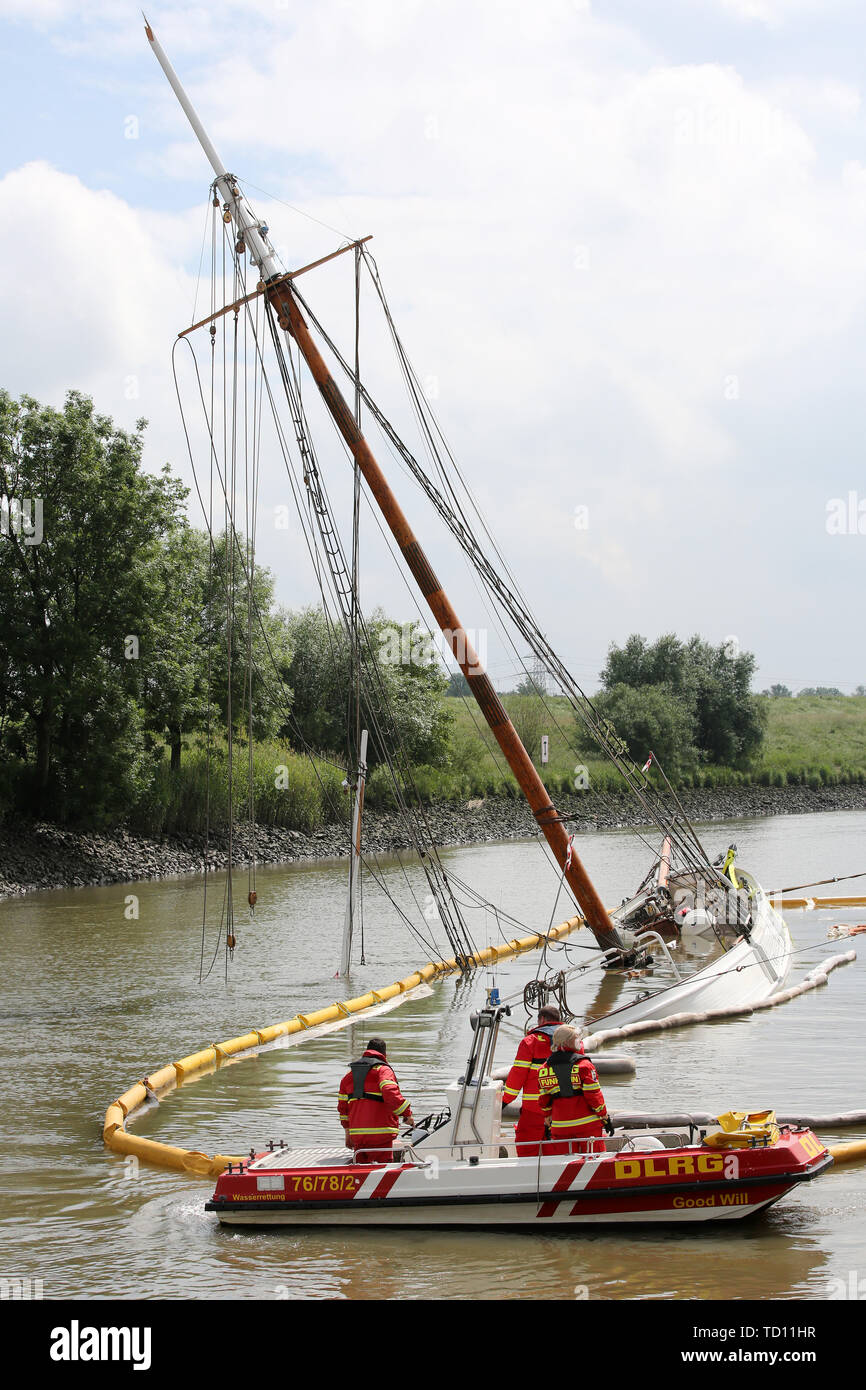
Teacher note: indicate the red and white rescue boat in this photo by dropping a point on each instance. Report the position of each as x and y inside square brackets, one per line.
[458, 1169]
[686, 1183]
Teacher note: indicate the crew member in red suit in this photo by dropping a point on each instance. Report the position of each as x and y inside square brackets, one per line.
[370, 1106]
[570, 1097]
[532, 1053]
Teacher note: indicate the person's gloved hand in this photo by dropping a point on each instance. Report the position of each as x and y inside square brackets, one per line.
[608, 1125]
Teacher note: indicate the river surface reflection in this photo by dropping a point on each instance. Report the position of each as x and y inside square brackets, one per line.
[92, 1000]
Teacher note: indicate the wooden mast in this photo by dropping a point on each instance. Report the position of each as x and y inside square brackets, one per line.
[290, 317]
[279, 292]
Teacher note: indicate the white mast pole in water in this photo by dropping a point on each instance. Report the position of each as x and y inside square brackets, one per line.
[355, 864]
[253, 232]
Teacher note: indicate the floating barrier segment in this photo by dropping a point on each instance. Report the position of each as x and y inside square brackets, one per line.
[849, 1153]
[855, 1152]
[614, 1064]
[119, 1140]
[813, 980]
[666, 1119]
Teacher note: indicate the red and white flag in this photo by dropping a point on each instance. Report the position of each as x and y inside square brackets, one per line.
[568, 856]
[646, 766]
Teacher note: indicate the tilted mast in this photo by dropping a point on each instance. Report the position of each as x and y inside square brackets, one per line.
[281, 295]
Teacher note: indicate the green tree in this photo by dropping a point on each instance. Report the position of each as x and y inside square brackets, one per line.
[174, 658]
[711, 684]
[458, 685]
[640, 663]
[652, 717]
[402, 685]
[730, 721]
[260, 639]
[533, 683]
[185, 669]
[75, 602]
[530, 719]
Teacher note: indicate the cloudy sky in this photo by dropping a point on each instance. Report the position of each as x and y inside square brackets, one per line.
[624, 243]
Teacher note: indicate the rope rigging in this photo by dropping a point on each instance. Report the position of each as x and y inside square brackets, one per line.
[667, 814]
[368, 699]
[329, 565]
[378, 712]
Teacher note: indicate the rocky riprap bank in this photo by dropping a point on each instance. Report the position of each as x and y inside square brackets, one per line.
[34, 856]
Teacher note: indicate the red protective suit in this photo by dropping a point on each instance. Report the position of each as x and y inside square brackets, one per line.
[532, 1053]
[579, 1116]
[370, 1120]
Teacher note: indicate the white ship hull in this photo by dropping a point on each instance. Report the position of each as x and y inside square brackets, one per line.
[748, 973]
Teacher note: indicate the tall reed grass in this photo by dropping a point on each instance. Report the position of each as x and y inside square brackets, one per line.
[288, 790]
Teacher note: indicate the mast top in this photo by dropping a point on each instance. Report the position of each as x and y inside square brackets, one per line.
[201, 134]
[246, 224]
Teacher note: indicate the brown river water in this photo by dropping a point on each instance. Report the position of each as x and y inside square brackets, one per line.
[91, 1001]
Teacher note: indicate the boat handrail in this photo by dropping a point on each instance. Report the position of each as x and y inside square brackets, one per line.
[654, 936]
[465, 1150]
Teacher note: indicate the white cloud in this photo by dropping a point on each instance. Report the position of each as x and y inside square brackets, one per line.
[35, 11]
[91, 298]
[820, 100]
[775, 13]
[606, 259]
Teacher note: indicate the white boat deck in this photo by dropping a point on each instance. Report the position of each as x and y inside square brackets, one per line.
[303, 1158]
[629, 1141]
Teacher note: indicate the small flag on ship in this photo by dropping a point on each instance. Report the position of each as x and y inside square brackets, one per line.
[646, 766]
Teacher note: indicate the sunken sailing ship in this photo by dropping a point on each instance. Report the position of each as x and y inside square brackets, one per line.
[742, 941]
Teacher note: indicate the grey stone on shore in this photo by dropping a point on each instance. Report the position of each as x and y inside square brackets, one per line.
[41, 855]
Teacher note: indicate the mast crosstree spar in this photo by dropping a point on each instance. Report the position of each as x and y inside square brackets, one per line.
[280, 295]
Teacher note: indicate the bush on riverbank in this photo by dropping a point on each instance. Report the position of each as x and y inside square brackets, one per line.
[288, 791]
[810, 742]
[305, 797]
